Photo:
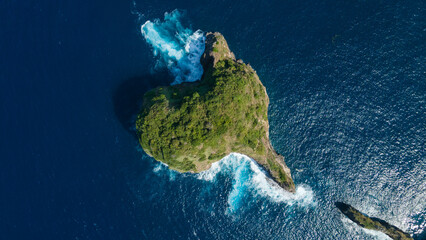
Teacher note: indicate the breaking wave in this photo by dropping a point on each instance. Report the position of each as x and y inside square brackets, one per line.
[248, 176]
[178, 48]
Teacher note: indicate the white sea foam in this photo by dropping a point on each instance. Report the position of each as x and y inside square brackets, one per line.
[247, 175]
[178, 48]
[163, 169]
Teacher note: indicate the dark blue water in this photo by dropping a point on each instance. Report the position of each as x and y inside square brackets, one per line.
[346, 82]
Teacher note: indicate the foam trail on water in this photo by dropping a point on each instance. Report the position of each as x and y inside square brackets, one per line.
[247, 175]
[239, 187]
[177, 47]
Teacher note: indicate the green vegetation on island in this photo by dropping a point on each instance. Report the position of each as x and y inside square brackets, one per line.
[191, 125]
[372, 223]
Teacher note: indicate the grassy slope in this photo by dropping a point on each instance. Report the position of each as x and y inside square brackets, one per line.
[192, 125]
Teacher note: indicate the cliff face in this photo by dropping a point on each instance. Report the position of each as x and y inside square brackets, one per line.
[372, 223]
[216, 50]
[192, 125]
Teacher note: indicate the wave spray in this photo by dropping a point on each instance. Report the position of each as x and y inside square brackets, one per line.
[178, 48]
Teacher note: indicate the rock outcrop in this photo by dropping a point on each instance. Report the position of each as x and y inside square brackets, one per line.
[371, 222]
[191, 125]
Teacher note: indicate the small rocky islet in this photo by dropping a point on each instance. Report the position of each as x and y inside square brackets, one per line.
[372, 223]
[192, 125]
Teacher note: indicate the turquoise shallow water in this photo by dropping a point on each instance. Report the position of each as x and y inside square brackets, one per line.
[346, 83]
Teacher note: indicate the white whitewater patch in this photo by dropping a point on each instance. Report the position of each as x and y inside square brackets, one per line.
[247, 175]
[163, 169]
[178, 48]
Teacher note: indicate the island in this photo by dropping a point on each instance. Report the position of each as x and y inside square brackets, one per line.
[372, 223]
[192, 125]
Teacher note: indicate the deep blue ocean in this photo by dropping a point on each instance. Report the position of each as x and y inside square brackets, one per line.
[347, 88]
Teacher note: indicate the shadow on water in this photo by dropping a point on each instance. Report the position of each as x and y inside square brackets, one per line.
[127, 98]
[128, 168]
